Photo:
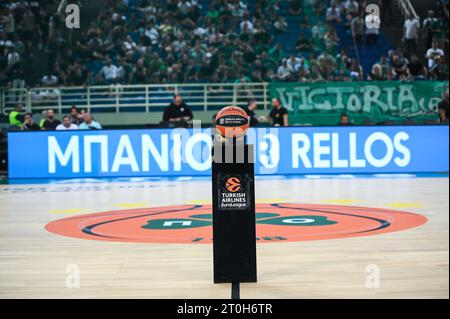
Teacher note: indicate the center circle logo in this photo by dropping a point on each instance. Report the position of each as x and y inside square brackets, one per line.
[274, 223]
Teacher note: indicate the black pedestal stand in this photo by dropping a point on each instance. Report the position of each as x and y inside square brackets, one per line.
[234, 230]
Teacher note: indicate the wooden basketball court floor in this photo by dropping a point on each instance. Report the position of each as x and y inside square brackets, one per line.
[410, 263]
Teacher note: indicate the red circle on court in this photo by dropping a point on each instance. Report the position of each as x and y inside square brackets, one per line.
[274, 223]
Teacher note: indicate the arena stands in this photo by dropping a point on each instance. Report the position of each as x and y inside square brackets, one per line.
[155, 42]
[196, 41]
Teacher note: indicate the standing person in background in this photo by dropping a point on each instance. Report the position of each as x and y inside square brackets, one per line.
[250, 110]
[411, 28]
[29, 125]
[357, 28]
[89, 123]
[51, 122]
[278, 115]
[66, 124]
[177, 113]
[428, 28]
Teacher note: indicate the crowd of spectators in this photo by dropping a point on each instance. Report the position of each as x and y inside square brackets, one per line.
[76, 120]
[26, 26]
[175, 41]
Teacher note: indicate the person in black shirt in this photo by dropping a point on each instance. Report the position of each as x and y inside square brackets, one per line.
[443, 109]
[75, 117]
[278, 115]
[177, 113]
[416, 69]
[29, 125]
[51, 122]
[250, 110]
[345, 120]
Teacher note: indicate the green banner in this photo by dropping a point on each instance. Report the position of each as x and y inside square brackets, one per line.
[364, 102]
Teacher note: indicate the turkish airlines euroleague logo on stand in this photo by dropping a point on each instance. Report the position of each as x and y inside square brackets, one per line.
[233, 184]
[274, 223]
[232, 193]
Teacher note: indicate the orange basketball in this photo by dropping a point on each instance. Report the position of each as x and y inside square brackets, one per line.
[232, 121]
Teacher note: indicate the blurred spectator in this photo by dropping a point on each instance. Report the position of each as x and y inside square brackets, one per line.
[280, 25]
[357, 28]
[303, 44]
[333, 14]
[429, 28]
[49, 80]
[246, 25]
[51, 122]
[416, 70]
[109, 72]
[12, 57]
[344, 120]
[28, 123]
[377, 73]
[356, 71]
[89, 123]
[433, 53]
[16, 117]
[399, 68]
[283, 71]
[411, 28]
[352, 7]
[278, 115]
[293, 63]
[443, 109]
[66, 124]
[75, 117]
[250, 110]
[177, 113]
[439, 70]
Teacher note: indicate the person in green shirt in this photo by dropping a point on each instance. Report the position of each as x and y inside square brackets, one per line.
[16, 117]
[276, 53]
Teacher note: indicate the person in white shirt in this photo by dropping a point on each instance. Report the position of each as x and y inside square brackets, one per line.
[49, 80]
[352, 7]
[333, 14]
[110, 72]
[283, 71]
[129, 44]
[184, 7]
[89, 123]
[13, 57]
[152, 33]
[293, 63]
[66, 124]
[247, 25]
[433, 53]
[411, 28]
